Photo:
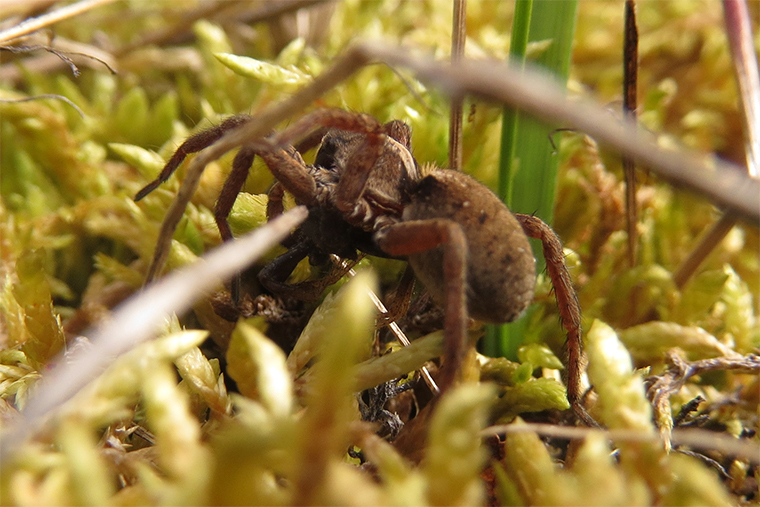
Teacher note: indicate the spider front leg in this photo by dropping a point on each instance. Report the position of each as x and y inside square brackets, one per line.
[418, 236]
[275, 197]
[241, 165]
[192, 144]
[286, 160]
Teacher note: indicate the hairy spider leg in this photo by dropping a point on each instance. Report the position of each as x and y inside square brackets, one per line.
[241, 165]
[192, 144]
[567, 302]
[397, 304]
[275, 198]
[359, 166]
[274, 275]
[416, 236]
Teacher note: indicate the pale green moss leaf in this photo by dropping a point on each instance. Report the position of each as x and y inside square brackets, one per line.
[133, 116]
[164, 113]
[258, 366]
[17, 377]
[622, 399]
[115, 270]
[529, 466]
[534, 395]
[376, 370]
[13, 314]
[291, 54]
[306, 345]
[148, 162]
[700, 294]
[404, 484]
[212, 37]
[740, 320]
[506, 489]
[180, 255]
[522, 373]
[248, 212]
[182, 455]
[638, 290]
[199, 373]
[539, 355]
[649, 342]
[455, 456]
[265, 72]
[40, 319]
[599, 481]
[89, 479]
[694, 485]
[346, 339]
[500, 370]
[251, 461]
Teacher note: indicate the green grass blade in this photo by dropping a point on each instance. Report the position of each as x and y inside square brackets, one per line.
[534, 181]
[518, 46]
[528, 166]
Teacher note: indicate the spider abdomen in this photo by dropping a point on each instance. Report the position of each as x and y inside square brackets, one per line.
[500, 263]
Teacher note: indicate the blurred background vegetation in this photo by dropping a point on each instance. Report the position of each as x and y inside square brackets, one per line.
[74, 245]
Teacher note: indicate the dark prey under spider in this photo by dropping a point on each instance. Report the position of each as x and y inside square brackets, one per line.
[366, 194]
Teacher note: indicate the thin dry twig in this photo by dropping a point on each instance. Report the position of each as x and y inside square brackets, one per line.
[630, 87]
[695, 438]
[180, 32]
[739, 32]
[705, 245]
[458, 38]
[24, 8]
[62, 54]
[400, 336]
[534, 92]
[58, 56]
[45, 96]
[32, 25]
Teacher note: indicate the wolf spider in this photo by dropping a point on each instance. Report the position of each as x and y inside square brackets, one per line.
[366, 192]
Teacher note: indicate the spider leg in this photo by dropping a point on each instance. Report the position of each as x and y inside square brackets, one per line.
[193, 144]
[398, 302]
[359, 166]
[416, 236]
[241, 165]
[258, 126]
[287, 163]
[567, 301]
[364, 160]
[273, 276]
[274, 202]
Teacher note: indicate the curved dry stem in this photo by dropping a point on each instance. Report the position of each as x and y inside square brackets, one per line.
[46, 96]
[33, 24]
